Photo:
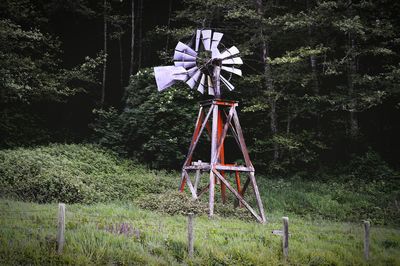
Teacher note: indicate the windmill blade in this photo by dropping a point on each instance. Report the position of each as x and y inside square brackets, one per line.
[191, 71]
[166, 76]
[198, 37]
[227, 83]
[215, 54]
[216, 38]
[180, 74]
[230, 52]
[181, 47]
[232, 70]
[194, 79]
[181, 56]
[202, 84]
[187, 64]
[206, 39]
[232, 61]
[210, 86]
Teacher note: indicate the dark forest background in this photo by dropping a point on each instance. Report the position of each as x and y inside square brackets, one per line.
[320, 93]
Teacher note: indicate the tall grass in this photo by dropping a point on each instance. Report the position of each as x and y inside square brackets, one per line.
[160, 239]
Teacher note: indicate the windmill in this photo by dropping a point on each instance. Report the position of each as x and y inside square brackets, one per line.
[200, 67]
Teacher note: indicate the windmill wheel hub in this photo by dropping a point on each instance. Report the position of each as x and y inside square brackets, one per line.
[203, 59]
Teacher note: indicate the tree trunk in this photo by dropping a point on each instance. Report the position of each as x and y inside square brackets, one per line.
[140, 18]
[288, 123]
[168, 23]
[269, 83]
[313, 59]
[132, 39]
[121, 63]
[314, 75]
[103, 89]
[351, 71]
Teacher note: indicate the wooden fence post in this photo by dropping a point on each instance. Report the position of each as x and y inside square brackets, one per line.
[190, 235]
[366, 239]
[61, 228]
[285, 237]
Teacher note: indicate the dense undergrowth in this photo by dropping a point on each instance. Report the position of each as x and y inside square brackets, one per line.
[89, 174]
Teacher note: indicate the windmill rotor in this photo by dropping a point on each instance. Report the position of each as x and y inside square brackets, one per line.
[200, 66]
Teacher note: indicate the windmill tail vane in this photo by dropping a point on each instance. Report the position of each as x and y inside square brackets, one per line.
[200, 66]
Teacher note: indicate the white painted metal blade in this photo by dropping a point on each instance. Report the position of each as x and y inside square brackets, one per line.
[194, 79]
[198, 37]
[230, 52]
[232, 61]
[166, 76]
[210, 86]
[206, 38]
[215, 54]
[181, 47]
[227, 83]
[216, 38]
[187, 64]
[202, 84]
[191, 71]
[232, 70]
[181, 56]
[180, 74]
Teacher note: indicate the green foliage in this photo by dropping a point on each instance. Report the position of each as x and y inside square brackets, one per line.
[339, 198]
[109, 130]
[30, 57]
[368, 167]
[31, 77]
[74, 173]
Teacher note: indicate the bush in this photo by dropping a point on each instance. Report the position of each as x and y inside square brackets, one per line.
[74, 174]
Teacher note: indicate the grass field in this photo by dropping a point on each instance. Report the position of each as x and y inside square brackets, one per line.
[28, 230]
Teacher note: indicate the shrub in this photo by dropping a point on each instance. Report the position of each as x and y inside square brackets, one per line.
[74, 174]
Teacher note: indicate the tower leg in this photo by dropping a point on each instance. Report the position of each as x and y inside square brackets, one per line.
[214, 136]
[197, 131]
[221, 159]
[258, 198]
